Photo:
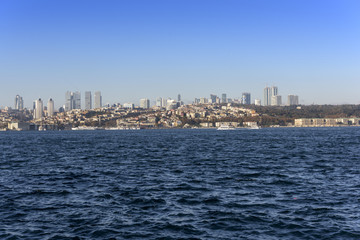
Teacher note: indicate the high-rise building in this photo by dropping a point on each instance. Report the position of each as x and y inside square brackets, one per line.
[246, 98]
[268, 94]
[38, 112]
[276, 100]
[19, 103]
[212, 98]
[144, 103]
[88, 100]
[50, 108]
[97, 99]
[274, 91]
[257, 102]
[72, 100]
[293, 100]
[179, 98]
[196, 101]
[77, 100]
[223, 98]
[159, 102]
[69, 101]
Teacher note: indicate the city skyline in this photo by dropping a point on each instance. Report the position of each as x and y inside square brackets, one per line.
[141, 49]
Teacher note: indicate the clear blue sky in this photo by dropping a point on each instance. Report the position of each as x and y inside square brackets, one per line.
[131, 49]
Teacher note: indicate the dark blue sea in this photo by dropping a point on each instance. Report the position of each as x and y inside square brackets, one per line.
[285, 183]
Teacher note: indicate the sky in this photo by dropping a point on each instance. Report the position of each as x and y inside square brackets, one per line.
[132, 49]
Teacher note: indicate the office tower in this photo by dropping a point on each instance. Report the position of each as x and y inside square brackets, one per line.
[274, 91]
[212, 98]
[257, 102]
[144, 103]
[218, 100]
[159, 102]
[203, 100]
[223, 98]
[98, 99]
[88, 100]
[38, 112]
[267, 96]
[293, 100]
[69, 101]
[246, 99]
[179, 98]
[19, 103]
[129, 105]
[276, 100]
[50, 108]
[77, 100]
[196, 101]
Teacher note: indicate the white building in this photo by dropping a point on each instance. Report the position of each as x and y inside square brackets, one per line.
[128, 105]
[144, 103]
[276, 100]
[50, 108]
[257, 102]
[38, 111]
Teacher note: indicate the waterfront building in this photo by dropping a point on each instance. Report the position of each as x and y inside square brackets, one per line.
[223, 98]
[88, 100]
[293, 100]
[97, 99]
[246, 99]
[276, 100]
[50, 108]
[144, 103]
[19, 103]
[257, 102]
[38, 112]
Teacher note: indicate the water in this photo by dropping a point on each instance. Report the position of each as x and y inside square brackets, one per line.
[181, 184]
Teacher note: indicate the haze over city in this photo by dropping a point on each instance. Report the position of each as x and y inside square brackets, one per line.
[147, 49]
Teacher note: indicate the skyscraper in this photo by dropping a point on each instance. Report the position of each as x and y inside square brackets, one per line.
[268, 94]
[293, 100]
[179, 98]
[276, 100]
[88, 100]
[38, 112]
[69, 101]
[77, 100]
[223, 98]
[246, 98]
[212, 98]
[144, 103]
[19, 103]
[50, 108]
[159, 102]
[98, 99]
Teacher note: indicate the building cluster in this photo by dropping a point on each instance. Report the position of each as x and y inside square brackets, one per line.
[326, 122]
[272, 97]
